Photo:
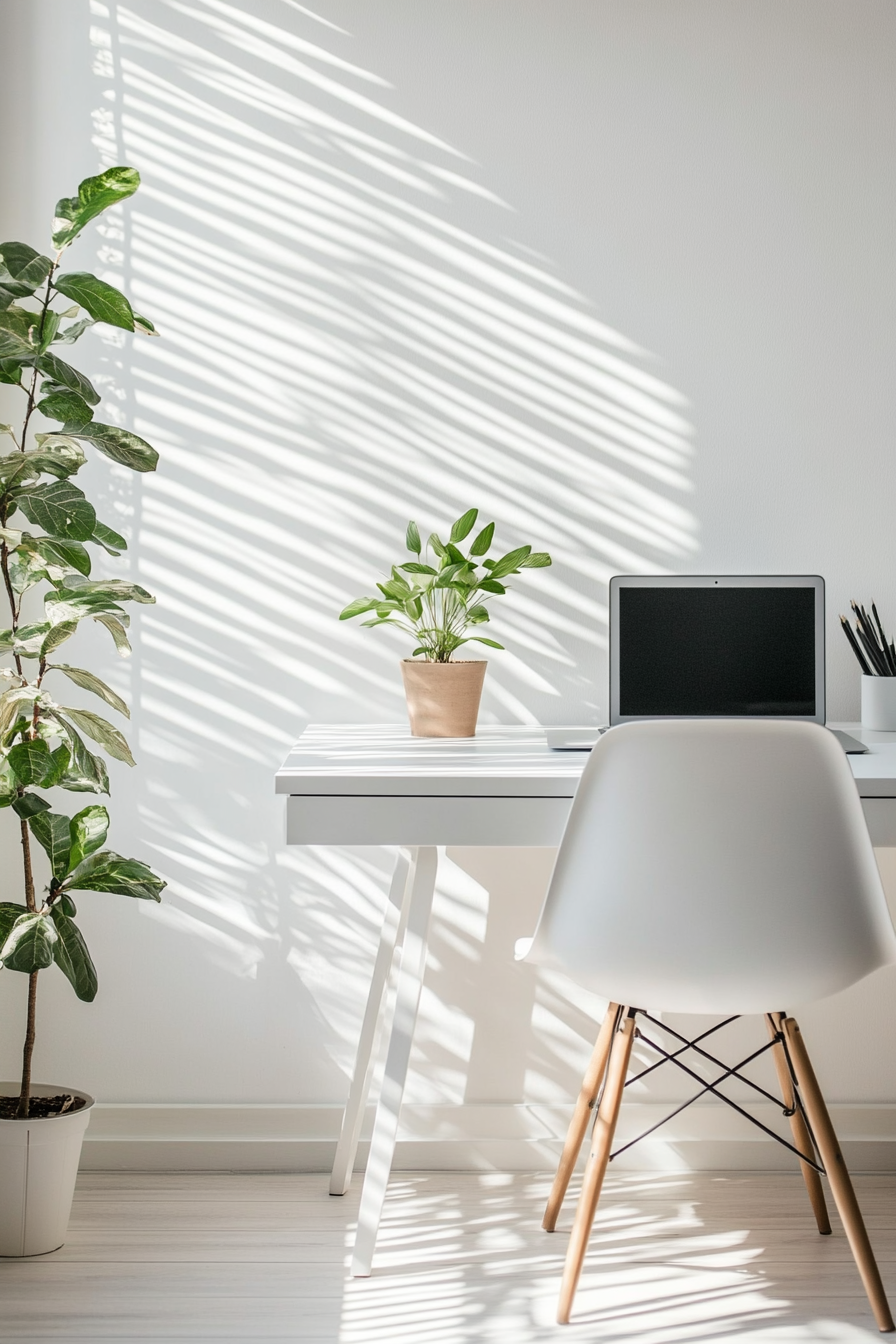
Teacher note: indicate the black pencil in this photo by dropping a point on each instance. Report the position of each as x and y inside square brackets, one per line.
[866, 634]
[883, 640]
[874, 655]
[863, 661]
[872, 627]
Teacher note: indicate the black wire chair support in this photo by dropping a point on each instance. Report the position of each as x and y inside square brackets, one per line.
[729, 1071]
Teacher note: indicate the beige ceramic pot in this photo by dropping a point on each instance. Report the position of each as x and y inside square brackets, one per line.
[443, 698]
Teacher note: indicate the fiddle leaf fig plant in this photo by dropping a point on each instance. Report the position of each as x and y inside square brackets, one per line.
[49, 535]
[439, 596]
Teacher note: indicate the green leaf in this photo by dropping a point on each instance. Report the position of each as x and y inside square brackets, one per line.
[509, 563]
[478, 615]
[20, 322]
[103, 302]
[86, 773]
[357, 608]
[118, 633]
[7, 785]
[67, 406]
[60, 760]
[60, 509]
[11, 370]
[57, 455]
[58, 635]
[88, 831]
[110, 541]
[90, 682]
[30, 761]
[28, 639]
[436, 545]
[29, 944]
[491, 586]
[537, 560]
[69, 604]
[120, 445]
[72, 957]
[484, 540]
[481, 639]
[66, 905]
[455, 556]
[143, 324]
[412, 539]
[14, 347]
[22, 271]
[414, 567]
[63, 376]
[10, 702]
[9, 913]
[121, 590]
[464, 525]
[109, 738]
[52, 832]
[68, 335]
[63, 557]
[394, 589]
[449, 574]
[29, 804]
[25, 570]
[95, 194]
[16, 467]
[90, 597]
[45, 332]
[107, 871]
[18, 333]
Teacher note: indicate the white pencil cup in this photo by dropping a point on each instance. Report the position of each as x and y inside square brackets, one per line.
[879, 703]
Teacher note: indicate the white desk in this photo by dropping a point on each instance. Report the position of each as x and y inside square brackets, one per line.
[362, 784]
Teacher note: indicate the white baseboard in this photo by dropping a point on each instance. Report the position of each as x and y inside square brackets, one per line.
[708, 1136]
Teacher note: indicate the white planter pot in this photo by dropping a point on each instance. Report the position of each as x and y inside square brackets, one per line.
[38, 1165]
[879, 703]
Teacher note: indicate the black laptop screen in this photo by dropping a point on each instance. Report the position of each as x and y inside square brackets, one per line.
[716, 651]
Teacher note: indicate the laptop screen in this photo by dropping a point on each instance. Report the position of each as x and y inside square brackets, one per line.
[715, 650]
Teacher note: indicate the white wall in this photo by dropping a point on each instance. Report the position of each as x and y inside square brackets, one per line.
[619, 272]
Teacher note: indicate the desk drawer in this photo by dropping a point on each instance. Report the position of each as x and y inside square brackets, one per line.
[331, 819]
[880, 814]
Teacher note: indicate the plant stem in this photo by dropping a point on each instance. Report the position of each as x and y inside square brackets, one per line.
[32, 398]
[30, 900]
[24, 1107]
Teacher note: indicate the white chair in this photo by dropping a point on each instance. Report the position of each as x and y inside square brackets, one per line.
[724, 867]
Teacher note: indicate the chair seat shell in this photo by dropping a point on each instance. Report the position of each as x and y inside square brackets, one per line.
[716, 866]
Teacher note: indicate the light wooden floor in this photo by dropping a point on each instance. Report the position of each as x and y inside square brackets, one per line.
[224, 1257]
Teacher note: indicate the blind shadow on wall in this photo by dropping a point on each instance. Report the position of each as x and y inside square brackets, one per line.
[349, 340]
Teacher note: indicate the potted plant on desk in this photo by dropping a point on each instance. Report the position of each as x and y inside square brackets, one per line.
[438, 599]
[46, 527]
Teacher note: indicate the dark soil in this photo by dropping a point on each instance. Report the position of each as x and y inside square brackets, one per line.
[41, 1107]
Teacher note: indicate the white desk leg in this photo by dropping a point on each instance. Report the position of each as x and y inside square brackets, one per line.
[407, 999]
[394, 918]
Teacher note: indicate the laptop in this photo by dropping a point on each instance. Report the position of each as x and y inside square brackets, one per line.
[714, 646]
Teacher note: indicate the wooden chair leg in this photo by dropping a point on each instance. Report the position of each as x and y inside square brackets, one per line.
[841, 1185]
[798, 1129]
[601, 1143]
[594, 1076]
